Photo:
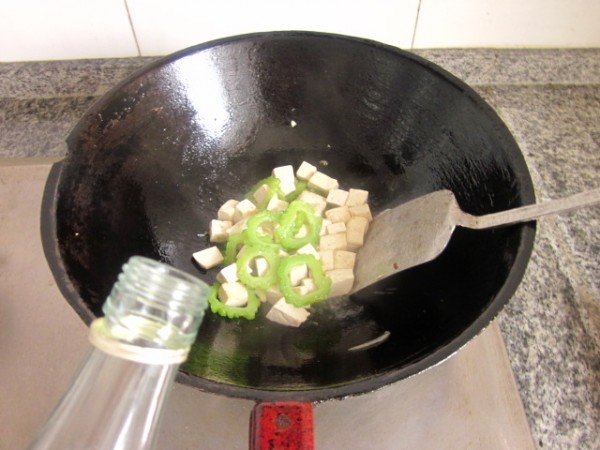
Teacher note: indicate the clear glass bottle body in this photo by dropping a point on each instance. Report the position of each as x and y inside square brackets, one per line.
[116, 399]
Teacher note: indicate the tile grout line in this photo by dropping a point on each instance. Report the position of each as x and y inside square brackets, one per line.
[412, 41]
[135, 38]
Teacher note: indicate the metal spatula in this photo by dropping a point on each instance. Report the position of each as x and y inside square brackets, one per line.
[419, 230]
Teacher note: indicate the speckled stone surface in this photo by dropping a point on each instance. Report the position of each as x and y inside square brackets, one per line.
[550, 100]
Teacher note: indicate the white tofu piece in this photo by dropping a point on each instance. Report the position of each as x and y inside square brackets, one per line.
[261, 266]
[327, 259]
[218, 230]
[240, 252]
[339, 214]
[309, 284]
[324, 225]
[273, 294]
[305, 171]
[238, 227]
[322, 183]
[282, 253]
[228, 274]
[337, 197]
[261, 294]
[338, 227]
[333, 242]
[287, 180]
[244, 209]
[342, 281]
[302, 231]
[300, 289]
[343, 259]
[227, 210]
[286, 188]
[233, 294]
[208, 258]
[309, 249]
[285, 174]
[286, 314]
[356, 229]
[357, 197]
[298, 273]
[276, 204]
[317, 202]
[261, 193]
[361, 211]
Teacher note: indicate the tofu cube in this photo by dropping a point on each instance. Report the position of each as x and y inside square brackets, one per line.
[339, 214]
[261, 193]
[317, 202]
[233, 294]
[300, 289]
[286, 314]
[228, 274]
[309, 284]
[343, 259]
[243, 210]
[261, 266]
[327, 259]
[273, 294]
[324, 225]
[238, 227]
[357, 197]
[305, 171]
[361, 211]
[218, 230]
[337, 197]
[276, 204]
[287, 180]
[322, 183]
[227, 210]
[342, 281]
[356, 229]
[261, 294]
[298, 273]
[302, 232]
[308, 249]
[208, 258]
[338, 227]
[333, 242]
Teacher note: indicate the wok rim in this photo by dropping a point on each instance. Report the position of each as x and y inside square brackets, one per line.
[312, 394]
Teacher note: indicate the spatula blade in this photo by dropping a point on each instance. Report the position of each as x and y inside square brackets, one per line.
[405, 236]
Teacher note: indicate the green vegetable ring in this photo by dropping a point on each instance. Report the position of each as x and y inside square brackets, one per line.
[249, 280]
[297, 214]
[232, 312]
[322, 282]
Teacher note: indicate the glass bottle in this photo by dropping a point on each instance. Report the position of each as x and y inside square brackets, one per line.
[115, 401]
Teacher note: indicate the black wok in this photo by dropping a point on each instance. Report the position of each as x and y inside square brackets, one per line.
[150, 163]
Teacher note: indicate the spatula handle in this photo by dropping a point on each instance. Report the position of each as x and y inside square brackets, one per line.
[531, 212]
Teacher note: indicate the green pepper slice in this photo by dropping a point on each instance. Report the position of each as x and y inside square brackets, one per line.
[232, 247]
[217, 307]
[297, 214]
[261, 282]
[315, 267]
[252, 235]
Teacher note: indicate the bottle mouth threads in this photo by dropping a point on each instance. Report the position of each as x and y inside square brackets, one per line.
[152, 305]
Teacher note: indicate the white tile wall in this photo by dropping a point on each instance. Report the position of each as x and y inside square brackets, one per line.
[69, 29]
[165, 26]
[64, 29]
[508, 23]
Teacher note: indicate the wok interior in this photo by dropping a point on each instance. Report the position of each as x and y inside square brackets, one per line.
[151, 163]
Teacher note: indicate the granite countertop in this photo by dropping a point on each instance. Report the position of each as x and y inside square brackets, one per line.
[549, 99]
